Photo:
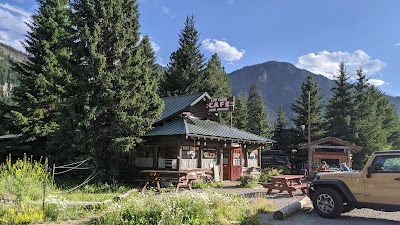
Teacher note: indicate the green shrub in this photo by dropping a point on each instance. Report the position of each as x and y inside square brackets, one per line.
[285, 169]
[205, 182]
[12, 215]
[23, 179]
[267, 172]
[248, 181]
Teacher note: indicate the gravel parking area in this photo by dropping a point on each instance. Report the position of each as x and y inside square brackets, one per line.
[355, 217]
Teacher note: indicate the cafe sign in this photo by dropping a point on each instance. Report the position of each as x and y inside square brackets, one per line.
[221, 104]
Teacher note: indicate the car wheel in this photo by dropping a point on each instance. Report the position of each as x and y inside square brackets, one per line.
[328, 203]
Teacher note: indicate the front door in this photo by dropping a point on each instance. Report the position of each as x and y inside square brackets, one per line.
[384, 184]
[235, 163]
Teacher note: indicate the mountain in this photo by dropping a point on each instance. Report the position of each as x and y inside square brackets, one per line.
[7, 56]
[279, 84]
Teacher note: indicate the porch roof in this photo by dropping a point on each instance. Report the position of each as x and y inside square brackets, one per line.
[194, 127]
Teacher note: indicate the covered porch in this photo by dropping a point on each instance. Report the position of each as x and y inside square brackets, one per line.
[194, 144]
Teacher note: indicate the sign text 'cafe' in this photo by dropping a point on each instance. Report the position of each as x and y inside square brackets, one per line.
[221, 104]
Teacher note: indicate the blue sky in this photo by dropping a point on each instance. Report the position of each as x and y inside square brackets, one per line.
[311, 34]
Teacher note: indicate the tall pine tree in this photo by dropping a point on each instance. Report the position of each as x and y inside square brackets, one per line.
[258, 122]
[340, 107]
[281, 133]
[240, 114]
[216, 81]
[184, 74]
[300, 108]
[43, 77]
[117, 82]
[367, 128]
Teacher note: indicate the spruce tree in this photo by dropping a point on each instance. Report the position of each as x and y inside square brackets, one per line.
[387, 114]
[44, 75]
[117, 82]
[216, 81]
[258, 122]
[240, 114]
[281, 132]
[300, 108]
[340, 107]
[367, 129]
[184, 74]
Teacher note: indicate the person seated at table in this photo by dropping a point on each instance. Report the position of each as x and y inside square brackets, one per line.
[323, 166]
[344, 167]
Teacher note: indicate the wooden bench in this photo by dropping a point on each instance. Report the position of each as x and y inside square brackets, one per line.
[180, 178]
[287, 183]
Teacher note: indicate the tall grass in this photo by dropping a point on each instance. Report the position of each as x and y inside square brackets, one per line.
[21, 189]
[185, 208]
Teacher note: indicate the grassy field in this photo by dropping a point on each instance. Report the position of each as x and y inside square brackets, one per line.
[21, 199]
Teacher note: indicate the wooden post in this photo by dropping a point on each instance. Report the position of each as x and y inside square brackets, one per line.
[309, 136]
[221, 164]
[46, 162]
[179, 146]
[53, 171]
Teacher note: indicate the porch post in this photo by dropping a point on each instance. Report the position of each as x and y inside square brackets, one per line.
[178, 145]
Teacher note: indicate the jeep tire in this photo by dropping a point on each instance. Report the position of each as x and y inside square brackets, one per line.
[328, 203]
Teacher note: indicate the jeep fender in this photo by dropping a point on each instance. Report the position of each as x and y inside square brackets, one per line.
[328, 183]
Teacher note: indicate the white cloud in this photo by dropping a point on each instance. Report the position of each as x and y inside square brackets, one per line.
[327, 63]
[13, 25]
[161, 62]
[154, 46]
[376, 82]
[166, 10]
[224, 49]
[397, 44]
[231, 2]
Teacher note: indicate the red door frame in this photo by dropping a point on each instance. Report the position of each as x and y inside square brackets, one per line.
[235, 171]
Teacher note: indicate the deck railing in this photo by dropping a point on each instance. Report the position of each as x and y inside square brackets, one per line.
[168, 163]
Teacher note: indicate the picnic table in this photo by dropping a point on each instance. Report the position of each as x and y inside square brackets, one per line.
[181, 178]
[287, 183]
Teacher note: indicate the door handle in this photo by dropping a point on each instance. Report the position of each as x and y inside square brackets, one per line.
[397, 178]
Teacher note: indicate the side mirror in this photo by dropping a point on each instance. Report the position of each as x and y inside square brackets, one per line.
[371, 169]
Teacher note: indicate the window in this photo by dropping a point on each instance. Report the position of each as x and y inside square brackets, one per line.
[386, 164]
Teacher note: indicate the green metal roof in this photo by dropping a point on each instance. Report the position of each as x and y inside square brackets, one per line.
[177, 104]
[193, 127]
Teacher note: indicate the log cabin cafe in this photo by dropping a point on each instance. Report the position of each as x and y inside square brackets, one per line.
[189, 136]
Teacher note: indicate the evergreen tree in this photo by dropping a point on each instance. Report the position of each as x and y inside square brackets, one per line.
[367, 129]
[240, 115]
[300, 108]
[258, 122]
[117, 81]
[340, 107]
[184, 74]
[281, 132]
[44, 76]
[387, 114]
[216, 81]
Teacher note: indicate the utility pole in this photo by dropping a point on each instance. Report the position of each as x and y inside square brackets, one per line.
[309, 135]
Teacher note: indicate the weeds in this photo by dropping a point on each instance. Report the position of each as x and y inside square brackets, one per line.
[185, 208]
[248, 181]
[267, 172]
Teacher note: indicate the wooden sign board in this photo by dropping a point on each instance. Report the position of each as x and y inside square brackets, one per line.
[221, 104]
